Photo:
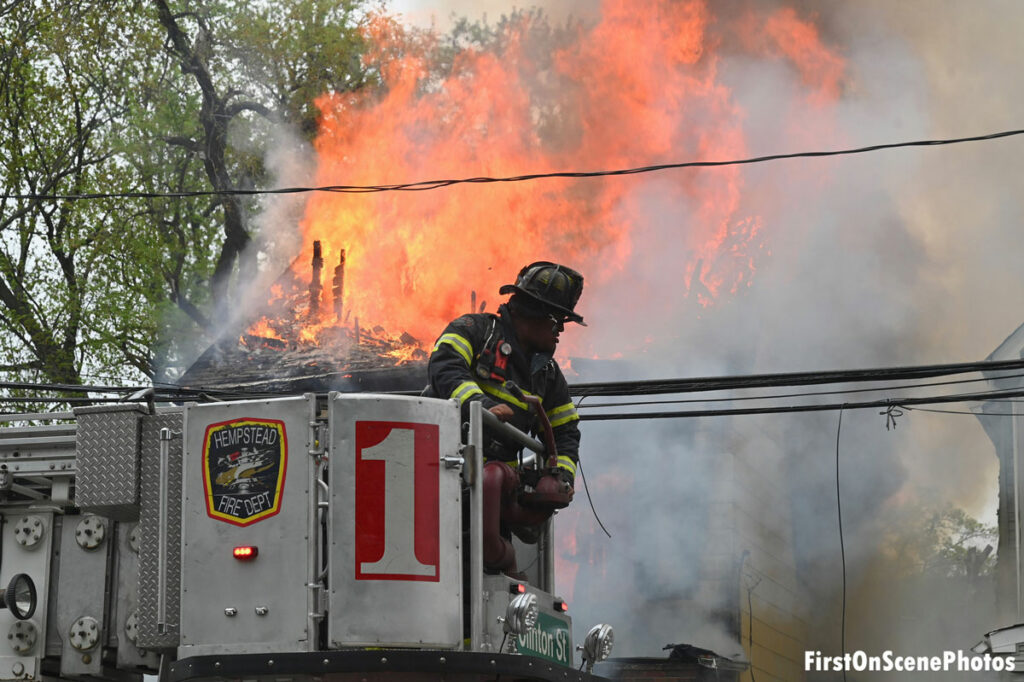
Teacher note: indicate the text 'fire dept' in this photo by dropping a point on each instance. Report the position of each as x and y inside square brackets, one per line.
[244, 464]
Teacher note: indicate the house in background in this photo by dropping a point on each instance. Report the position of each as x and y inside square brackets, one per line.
[1005, 426]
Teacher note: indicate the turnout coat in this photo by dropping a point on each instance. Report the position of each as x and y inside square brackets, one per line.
[473, 358]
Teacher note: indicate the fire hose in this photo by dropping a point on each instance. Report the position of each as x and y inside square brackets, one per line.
[543, 486]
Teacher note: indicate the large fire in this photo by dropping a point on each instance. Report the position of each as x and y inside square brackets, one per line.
[636, 88]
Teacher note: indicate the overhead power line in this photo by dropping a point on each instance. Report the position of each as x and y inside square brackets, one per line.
[423, 185]
[723, 383]
[626, 388]
[799, 394]
[175, 394]
[784, 409]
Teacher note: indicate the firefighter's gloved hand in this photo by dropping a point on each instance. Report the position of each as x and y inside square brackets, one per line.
[567, 480]
[502, 411]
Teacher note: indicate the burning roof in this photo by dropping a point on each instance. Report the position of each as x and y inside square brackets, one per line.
[303, 342]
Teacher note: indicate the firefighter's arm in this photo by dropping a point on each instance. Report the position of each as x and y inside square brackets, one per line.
[564, 420]
[450, 362]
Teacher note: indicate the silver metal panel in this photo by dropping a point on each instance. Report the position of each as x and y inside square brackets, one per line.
[81, 593]
[497, 595]
[35, 561]
[536, 561]
[107, 482]
[124, 628]
[267, 595]
[394, 560]
[38, 461]
[149, 531]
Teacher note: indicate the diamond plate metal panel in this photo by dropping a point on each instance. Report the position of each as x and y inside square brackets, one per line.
[124, 628]
[107, 450]
[149, 532]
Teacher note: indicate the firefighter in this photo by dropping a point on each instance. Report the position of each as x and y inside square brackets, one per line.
[505, 362]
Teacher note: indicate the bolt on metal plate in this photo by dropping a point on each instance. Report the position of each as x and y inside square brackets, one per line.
[131, 626]
[28, 531]
[85, 633]
[90, 532]
[22, 636]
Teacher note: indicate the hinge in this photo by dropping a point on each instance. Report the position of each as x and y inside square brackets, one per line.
[318, 442]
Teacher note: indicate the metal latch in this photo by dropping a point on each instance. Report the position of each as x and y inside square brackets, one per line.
[317, 441]
[453, 462]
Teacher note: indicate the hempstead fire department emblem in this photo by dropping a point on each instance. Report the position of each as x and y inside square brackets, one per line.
[244, 463]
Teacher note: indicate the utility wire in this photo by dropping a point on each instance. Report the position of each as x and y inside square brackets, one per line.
[842, 543]
[775, 396]
[975, 414]
[437, 184]
[888, 403]
[655, 386]
[171, 393]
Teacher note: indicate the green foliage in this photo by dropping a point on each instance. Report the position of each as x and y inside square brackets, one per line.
[947, 543]
[100, 96]
[63, 91]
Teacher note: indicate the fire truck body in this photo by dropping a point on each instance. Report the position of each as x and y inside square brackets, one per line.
[294, 537]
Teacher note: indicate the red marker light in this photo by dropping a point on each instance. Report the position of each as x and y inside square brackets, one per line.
[561, 606]
[246, 553]
[517, 588]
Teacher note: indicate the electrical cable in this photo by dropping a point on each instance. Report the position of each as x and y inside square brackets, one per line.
[976, 414]
[423, 185]
[822, 407]
[750, 629]
[774, 396]
[721, 383]
[68, 388]
[173, 393]
[842, 544]
[664, 386]
[591, 499]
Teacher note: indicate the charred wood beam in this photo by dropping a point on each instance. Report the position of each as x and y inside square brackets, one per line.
[314, 284]
[338, 288]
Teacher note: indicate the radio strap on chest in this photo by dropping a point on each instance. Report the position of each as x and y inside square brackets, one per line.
[492, 362]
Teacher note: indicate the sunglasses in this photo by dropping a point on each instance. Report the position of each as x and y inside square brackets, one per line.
[557, 320]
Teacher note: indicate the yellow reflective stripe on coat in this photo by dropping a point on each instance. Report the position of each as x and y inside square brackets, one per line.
[502, 394]
[465, 391]
[563, 414]
[567, 464]
[460, 343]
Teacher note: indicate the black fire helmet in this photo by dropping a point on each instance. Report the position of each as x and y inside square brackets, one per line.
[556, 287]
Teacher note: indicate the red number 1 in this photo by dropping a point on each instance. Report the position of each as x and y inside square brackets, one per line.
[397, 528]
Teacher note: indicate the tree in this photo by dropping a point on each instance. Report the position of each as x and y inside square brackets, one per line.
[946, 543]
[267, 62]
[101, 97]
[62, 93]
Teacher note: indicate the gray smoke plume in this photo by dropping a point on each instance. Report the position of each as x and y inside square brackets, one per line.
[896, 258]
[902, 257]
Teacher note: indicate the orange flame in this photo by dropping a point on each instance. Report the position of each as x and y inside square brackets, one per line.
[637, 88]
[263, 328]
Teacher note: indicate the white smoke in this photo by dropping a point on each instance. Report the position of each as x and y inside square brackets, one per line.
[895, 258]
[901, 257]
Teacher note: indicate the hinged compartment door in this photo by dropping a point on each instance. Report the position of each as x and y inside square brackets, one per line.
[395, 522]
[247, 472]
